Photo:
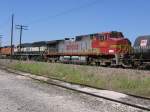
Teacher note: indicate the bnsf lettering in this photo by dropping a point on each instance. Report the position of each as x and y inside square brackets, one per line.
[72, 47]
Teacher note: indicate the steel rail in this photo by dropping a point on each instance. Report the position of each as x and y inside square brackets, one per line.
[94, 95]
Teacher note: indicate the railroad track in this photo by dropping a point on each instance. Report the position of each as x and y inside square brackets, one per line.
[78, 88]
[129, 68]
[106, 98]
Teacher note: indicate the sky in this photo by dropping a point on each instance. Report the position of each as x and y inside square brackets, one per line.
[58, 19]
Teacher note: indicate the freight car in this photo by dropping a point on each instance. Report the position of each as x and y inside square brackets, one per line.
[141, 54]
[6, 51]
[31, 51]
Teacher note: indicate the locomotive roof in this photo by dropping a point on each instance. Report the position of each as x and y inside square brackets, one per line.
[25, 45]
[6, 46]
[53, 42]
[38, 44]
[140, 38]
[78, 38]
[93, 34]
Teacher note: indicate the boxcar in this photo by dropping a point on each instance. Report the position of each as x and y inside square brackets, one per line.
[6, 50]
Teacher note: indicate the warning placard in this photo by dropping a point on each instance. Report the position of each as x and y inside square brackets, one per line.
[143, 43]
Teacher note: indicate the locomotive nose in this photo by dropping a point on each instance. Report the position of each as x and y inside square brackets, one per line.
[122, 46]
[127, 41]
[126, 46]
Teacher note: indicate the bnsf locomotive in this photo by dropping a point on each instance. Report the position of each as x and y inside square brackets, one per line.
[106, 48]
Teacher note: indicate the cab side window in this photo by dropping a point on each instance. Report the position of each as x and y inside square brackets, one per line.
[95, 35]
[102, 38]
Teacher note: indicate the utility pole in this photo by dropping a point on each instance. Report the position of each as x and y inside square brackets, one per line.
[12, 28]
[1, 36]
[21, 28]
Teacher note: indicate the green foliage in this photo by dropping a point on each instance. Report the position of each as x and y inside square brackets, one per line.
[73, 73]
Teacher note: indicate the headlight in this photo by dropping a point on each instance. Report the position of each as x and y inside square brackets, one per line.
[111, 51]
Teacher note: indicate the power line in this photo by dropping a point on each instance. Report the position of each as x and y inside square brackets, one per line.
[21, 28]
[67, 11]
[1, 36]
[4, 25]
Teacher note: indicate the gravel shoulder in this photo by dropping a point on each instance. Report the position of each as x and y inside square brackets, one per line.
[116, 79]
[22, 94]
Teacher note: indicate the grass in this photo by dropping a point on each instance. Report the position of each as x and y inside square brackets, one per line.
[136, 82]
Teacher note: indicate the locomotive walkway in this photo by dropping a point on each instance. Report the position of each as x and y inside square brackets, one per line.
[122, 99]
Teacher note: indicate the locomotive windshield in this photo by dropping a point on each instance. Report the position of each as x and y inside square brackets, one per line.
[116, 35]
